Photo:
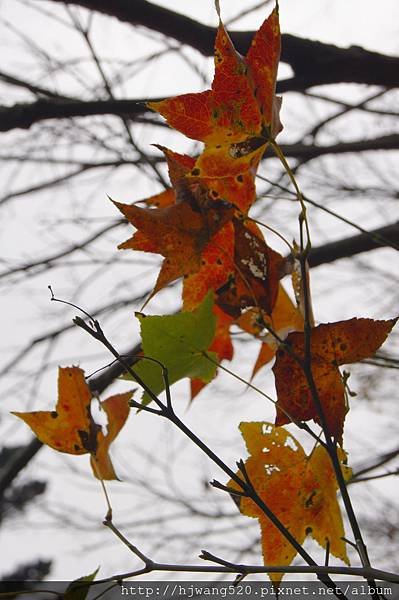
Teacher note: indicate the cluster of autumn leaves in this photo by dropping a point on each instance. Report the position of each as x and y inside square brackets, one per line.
[201, 226]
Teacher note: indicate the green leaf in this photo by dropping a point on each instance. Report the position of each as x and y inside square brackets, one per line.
[178, 342]
[76, 590]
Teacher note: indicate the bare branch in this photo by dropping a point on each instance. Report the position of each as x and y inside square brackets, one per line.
[313, 63]
[24, 115]
[356, 244]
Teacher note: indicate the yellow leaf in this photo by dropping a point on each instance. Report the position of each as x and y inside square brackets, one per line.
[71, 428]
[299, 489]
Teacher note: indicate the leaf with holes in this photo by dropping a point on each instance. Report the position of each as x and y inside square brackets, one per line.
[180, 343]
[300, 490]
[332, 345]
[257, 271]
[71, 428]
[214, 265]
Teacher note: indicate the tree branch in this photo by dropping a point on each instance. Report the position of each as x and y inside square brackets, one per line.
[313, 62]
[24, 115]
[356, 244]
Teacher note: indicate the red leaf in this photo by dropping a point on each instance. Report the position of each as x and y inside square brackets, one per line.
[332, 344]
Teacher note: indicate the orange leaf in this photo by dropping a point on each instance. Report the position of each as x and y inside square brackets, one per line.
[237, 116]
[117, 410]
[188, 113]
[178, 164]
[179, 232]
[239, 189]
[70, 427]
[217, 257]
[221, 161]
[236, 111]
[165, 198]
[299, 489]
[332, 344]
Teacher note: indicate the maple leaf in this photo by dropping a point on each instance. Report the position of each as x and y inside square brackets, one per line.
[217, 258]
[284, 318]
[226, 114]
[179, 232]
[332, 345]
[218, 162]
[238, 115]
[217, 264]
[70, 427]
[179, 342]
[179, 165]
[300, 490]
[257, 270]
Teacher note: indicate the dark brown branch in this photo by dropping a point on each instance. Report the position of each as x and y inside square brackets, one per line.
[310, 151]
[18, 460]
[24, 115]
[356, 244]
[313, 62]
